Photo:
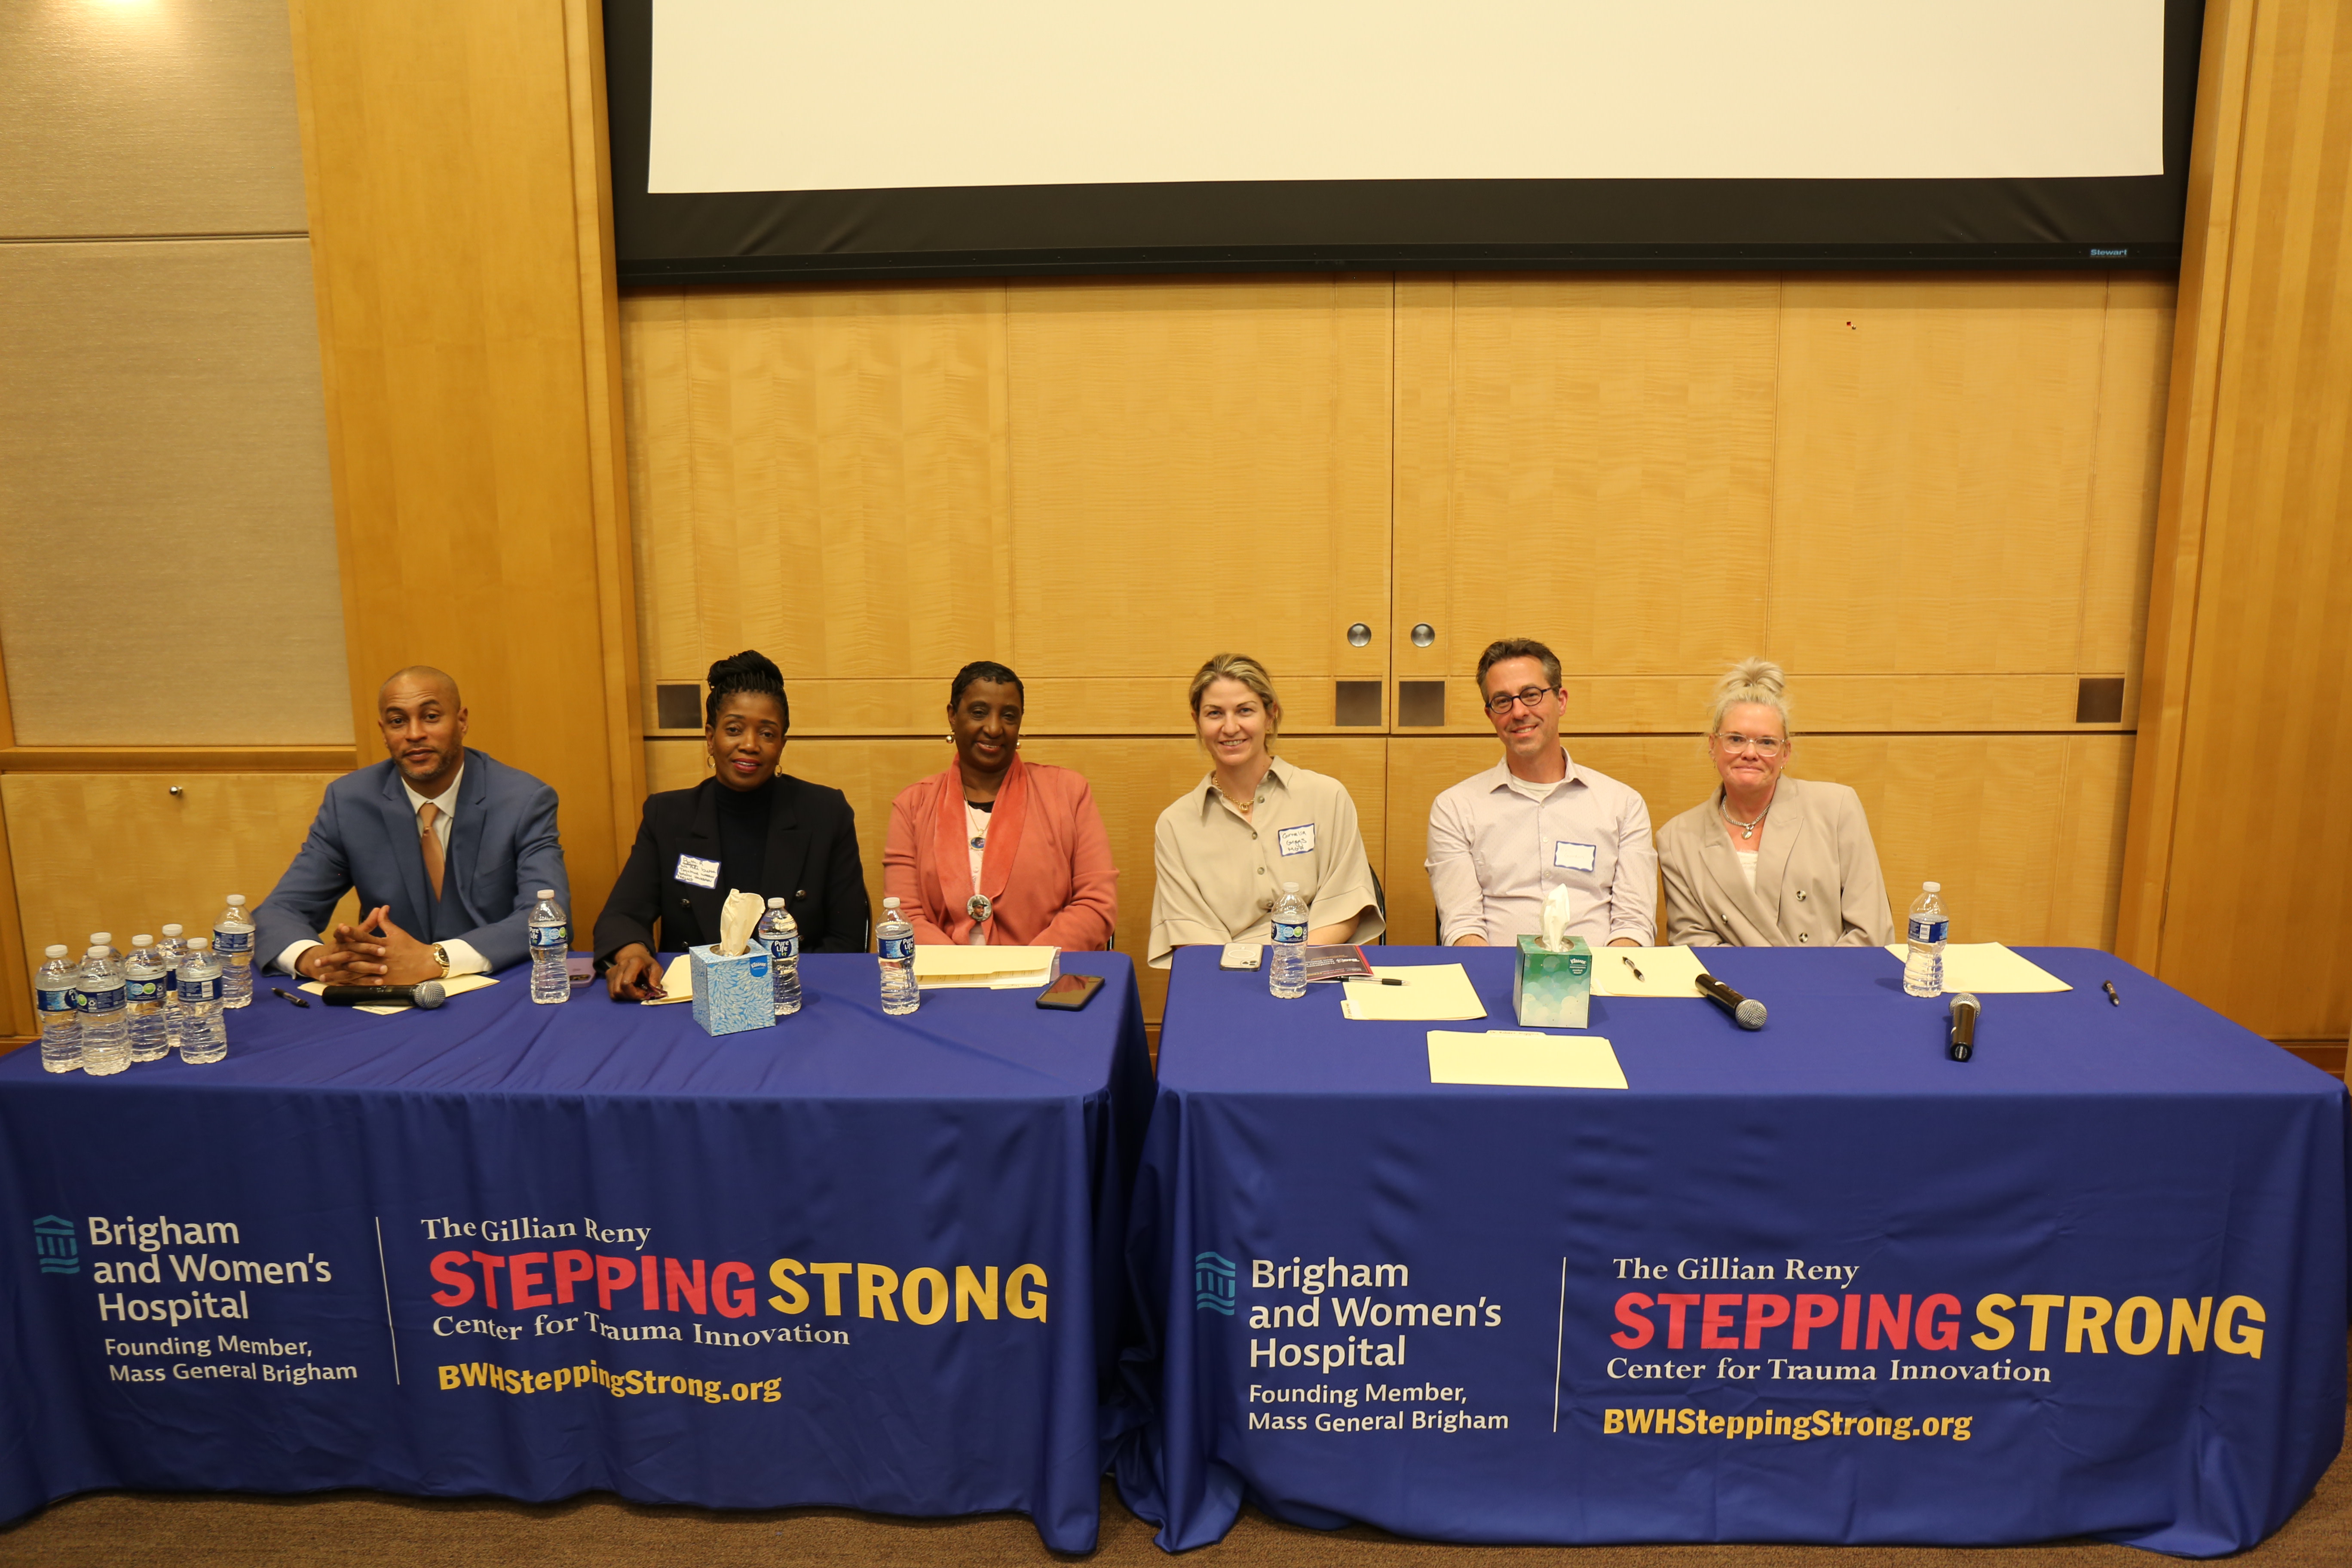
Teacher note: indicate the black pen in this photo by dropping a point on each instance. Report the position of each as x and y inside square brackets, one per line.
[1636, 969]
[298, 1001]
[2109, 987]
[1386, 980]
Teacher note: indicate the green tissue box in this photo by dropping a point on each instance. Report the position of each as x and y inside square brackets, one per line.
[1552, 990]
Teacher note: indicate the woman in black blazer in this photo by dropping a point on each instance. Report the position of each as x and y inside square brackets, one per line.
[749, 826]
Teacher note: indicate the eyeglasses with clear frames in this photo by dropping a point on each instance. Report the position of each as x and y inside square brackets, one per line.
[1498, 705]
[1765, 745]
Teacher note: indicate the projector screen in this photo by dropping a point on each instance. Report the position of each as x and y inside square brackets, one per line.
[785, 138]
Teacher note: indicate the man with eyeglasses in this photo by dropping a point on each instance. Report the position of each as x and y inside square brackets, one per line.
[1499, 842]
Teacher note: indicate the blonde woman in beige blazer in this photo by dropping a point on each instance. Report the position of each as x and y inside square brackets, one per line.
[1769, 861]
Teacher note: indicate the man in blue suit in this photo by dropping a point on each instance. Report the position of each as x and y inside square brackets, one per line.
[447, 847]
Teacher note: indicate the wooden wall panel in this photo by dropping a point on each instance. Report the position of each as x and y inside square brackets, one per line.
[2240, 841]
[119, 852]
[467, 321]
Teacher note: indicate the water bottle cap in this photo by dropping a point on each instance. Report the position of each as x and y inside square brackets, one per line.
[55, 950]
[889, 903]
[143, 942]
[101, 939]
[172, 930]
[1290, 886]
[545, 893]
[235, 898]
[1933, 887]
[94, 953]
[198, 943]
[775, 903]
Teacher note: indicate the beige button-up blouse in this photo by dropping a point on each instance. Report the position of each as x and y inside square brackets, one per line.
[1817, 878]
[1220, 872]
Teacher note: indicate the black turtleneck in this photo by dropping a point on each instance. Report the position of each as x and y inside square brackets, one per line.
[743, 838]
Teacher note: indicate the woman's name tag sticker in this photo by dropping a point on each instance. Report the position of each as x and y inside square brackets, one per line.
[1573, 856]
[1298, 840]
[697, 873]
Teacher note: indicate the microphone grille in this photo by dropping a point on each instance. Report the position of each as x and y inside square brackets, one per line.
[1750, 1015]
[430, 993]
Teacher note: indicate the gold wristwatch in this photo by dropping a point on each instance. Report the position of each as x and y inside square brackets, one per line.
[441, 957]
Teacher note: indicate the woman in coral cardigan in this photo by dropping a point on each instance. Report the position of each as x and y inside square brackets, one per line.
[996, 851]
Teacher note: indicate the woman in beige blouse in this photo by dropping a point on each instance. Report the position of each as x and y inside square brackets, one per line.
[1223, 850]
[1769, 861]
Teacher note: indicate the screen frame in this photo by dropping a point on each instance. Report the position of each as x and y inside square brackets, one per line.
[2132, 222]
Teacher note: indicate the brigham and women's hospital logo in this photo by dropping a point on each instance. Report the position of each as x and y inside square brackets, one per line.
[54, 1245]
[1213, 1284]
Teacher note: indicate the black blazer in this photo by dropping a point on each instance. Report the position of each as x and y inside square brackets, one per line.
[812, 865]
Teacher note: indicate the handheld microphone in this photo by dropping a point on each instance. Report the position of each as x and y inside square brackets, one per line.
[424, 994]
[1965, 1009]
[1745, 1011]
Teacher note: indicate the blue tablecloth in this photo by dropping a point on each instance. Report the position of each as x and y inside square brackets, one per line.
[419, 1253]
[1817, 1283]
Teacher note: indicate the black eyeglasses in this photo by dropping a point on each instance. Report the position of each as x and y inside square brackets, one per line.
[1498, 705]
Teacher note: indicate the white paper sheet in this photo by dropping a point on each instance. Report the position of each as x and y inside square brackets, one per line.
[677, 982]
[455, 986]
[1988, 966]
[958, 968]
[1432, 992]
[1520, 1058]
[1665, 971]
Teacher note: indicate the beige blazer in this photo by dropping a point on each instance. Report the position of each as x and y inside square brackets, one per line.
[1817, 880]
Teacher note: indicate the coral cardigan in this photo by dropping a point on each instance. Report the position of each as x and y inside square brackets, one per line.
[1046, 870]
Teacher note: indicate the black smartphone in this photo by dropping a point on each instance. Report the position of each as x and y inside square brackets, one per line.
[1071, 992]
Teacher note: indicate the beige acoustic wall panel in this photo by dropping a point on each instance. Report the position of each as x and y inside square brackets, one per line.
[164, 498]
[1132, 779]
[120, 853]
[148, 117]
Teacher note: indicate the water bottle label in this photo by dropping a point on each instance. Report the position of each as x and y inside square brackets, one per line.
[1922, 929]
[901, 948]
[1285, 933]
[232, 940]
[784, 949]
[103, 1000]
[64, 1000]
[199, 992]
[145, 990]
[171, 981]
[550, 936]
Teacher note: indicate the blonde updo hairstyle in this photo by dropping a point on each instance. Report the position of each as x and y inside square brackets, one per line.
[1239, 666]
[1758, 681]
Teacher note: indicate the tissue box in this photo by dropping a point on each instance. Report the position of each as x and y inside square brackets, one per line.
[733, 994]
[1552, 990]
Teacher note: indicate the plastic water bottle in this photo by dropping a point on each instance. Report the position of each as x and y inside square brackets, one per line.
[105, 1025]
[782, 935]
[233, 950]
[57, 990]
[174, 951]
[895, 940]
[550, 950]
[203, 1028]
[142, 987]
[1923, 967]
[1287, 976]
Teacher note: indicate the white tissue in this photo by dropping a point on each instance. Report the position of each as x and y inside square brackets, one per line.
[1556, 916]
[738, 919]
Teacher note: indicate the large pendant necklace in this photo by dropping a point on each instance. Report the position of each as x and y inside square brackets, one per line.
[978, 906]
[1748, 829]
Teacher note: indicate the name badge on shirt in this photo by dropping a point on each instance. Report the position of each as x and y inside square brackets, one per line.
[1298, 840]
[697, 873]
[1570, 856]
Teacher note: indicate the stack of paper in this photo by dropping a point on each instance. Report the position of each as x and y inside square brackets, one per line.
[455, 986]
[942, 968]
[1662, 971]
[1983, 966]
[1428, 992]
[677, 982]
[1517, 1057]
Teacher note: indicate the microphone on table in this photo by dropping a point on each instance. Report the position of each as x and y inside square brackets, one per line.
[1745, 1011]
[1965, 1009]
[424, 994]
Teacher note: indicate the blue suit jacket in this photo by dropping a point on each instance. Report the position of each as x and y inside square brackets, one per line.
[502, 850]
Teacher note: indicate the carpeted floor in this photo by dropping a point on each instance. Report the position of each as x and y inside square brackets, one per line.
[110, 1529]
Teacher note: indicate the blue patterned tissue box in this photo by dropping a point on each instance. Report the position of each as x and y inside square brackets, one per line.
[733, 994]
[1549, 990]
